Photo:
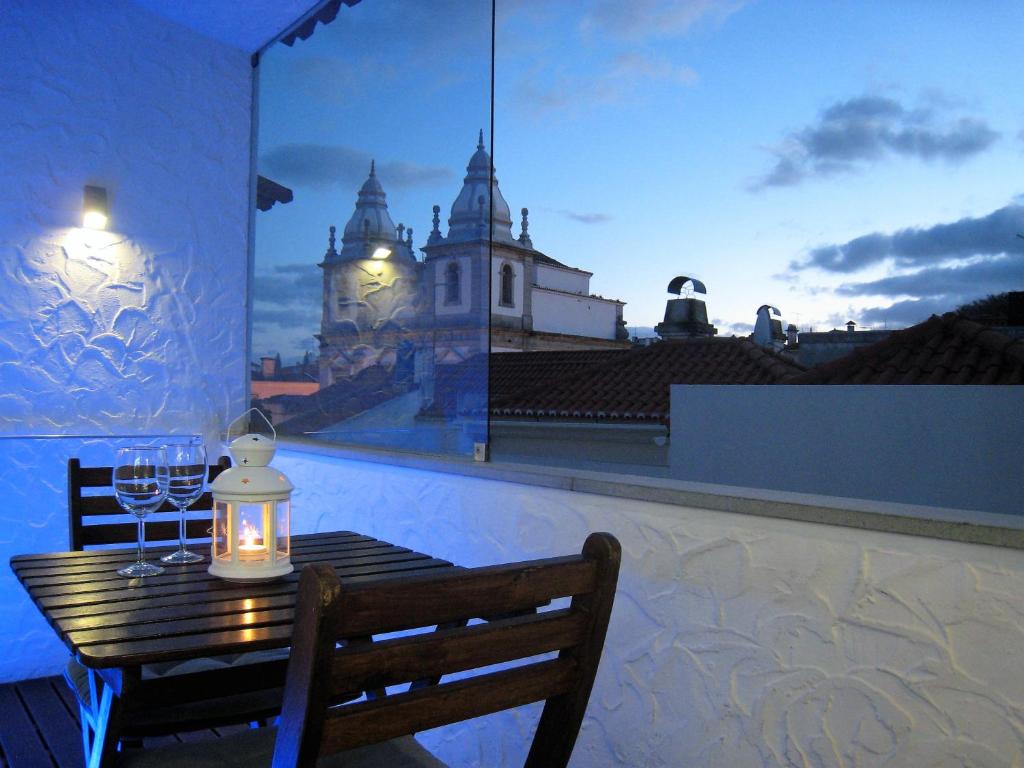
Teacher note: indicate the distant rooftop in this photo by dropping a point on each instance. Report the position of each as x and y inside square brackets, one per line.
[942, 350]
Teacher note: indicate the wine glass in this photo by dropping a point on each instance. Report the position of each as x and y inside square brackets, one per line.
[187, 465]
[140, 487]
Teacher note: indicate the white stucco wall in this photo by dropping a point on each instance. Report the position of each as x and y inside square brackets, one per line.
[960, 447]
[576, 315]
[142, 329]
[735, 641]
[569, 280]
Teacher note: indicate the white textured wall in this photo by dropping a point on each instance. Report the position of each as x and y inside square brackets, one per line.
[141, 330]
[735, 641]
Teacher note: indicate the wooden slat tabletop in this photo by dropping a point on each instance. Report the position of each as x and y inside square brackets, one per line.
[183, 613]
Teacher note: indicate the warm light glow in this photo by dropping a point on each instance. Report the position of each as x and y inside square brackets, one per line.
[94, 220]
[381, 253]
[249, 536]
[94, 207]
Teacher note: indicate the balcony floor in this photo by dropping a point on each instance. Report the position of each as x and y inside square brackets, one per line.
[39, 726]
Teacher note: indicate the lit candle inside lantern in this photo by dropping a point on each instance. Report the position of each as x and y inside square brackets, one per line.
[248, 549]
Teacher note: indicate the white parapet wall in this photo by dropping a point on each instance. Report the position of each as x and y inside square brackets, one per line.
[735, 640]
[959, 447]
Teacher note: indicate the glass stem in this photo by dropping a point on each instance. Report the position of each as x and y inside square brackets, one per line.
[181, 530]
[142, 540]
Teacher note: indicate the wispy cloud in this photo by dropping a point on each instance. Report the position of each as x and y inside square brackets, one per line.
[647, 19]
[621, 80]
[583, 218]
[327, 165]
[991, 235]
[850, 135]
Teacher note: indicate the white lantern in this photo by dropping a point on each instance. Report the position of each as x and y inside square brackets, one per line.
[251, 511]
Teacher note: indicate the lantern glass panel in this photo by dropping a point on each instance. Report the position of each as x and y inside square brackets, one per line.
[253, 524]
[221, 539]
[283, 539]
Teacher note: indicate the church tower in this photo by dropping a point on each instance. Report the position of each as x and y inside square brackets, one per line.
[369, 289]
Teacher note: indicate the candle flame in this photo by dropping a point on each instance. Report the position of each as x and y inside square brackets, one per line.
[249, 535]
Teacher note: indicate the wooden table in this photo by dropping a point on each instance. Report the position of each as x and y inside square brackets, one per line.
[114, 625]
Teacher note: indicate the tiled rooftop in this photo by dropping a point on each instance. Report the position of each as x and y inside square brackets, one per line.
[625, 385]
[942, 350]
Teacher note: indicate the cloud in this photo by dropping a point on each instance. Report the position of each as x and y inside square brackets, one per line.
[289, 283]
[583, 218]
[991, 235]
[647, 19]
[850, 135]
[982, 278]
[911, 311]
[619, 81]
[326, 165]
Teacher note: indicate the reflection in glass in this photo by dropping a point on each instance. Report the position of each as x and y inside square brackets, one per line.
[382, 338]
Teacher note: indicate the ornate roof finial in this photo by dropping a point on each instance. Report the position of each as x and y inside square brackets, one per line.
[524, 235]
[435, 233]
[373, 167]
[401, 230]
[408, 239]
[480, 141]
[330, 243]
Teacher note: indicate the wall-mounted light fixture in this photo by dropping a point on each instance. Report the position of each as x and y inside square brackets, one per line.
[381, 253]
[94, 207]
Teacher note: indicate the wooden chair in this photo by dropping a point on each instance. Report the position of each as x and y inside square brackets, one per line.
[88, 514]
[163, 702]
[378, 732]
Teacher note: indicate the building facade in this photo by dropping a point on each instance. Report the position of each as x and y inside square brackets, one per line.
[383, 306]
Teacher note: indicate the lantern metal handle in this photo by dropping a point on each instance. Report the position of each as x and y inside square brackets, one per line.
[244, 418]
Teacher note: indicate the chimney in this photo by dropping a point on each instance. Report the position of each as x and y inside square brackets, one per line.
[687, 316]
[791, 335]
[850, 326]
[768, 328]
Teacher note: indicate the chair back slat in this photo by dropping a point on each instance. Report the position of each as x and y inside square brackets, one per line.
[468, 593]
[447, 651]
[483, 617]
[93, 506]
[369, 722]
[158, 531]
[85, 529]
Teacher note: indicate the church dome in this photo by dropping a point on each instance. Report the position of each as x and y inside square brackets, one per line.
[370, 218]
[470, 209]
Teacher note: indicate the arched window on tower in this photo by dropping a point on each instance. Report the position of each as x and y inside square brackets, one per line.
[507, 285]
[452, 280]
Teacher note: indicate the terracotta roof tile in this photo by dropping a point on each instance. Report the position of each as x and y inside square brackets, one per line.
[942, 350]
[625, 385]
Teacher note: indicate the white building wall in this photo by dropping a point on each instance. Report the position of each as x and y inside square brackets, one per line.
[735, 640]
[556, 312]
[141, 330]
[569, 280]
[943, 446]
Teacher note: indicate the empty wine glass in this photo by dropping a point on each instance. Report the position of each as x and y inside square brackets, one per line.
[187, 465]
[140, 486]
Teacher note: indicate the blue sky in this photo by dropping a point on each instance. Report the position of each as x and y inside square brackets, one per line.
[838, 160]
